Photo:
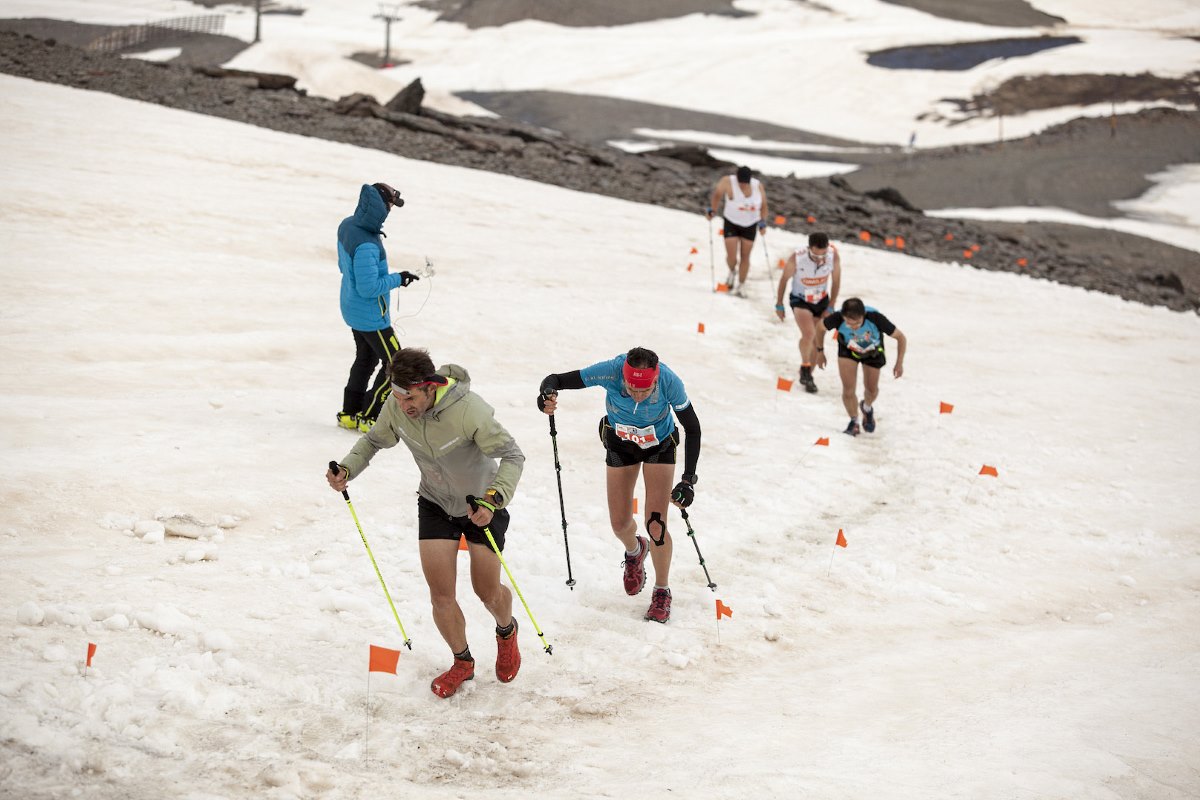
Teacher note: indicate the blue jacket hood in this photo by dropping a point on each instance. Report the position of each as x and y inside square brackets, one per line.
[371, 211]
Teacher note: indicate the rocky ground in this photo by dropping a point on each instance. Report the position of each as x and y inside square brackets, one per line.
[1005, 13]
[573, 13]
[1135, 268]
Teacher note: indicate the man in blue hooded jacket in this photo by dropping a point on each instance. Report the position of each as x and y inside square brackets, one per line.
[366, 288]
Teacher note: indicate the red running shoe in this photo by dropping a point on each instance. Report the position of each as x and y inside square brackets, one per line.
[508, 657]
[448, 682]
[660, 606]
[635, 572]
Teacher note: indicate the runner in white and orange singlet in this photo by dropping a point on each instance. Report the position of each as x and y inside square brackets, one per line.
[815, 273]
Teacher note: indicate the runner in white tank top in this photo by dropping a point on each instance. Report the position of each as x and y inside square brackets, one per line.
[815, 275]
[743, 203]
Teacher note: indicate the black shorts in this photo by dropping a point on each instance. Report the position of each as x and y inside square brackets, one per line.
[434, 523]
[620, 453]
[734, 231]
[816, 309]
[876, 359]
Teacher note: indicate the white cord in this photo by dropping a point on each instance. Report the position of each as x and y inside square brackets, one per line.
[426, 274]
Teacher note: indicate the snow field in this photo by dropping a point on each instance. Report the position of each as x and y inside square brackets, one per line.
[1019, 636]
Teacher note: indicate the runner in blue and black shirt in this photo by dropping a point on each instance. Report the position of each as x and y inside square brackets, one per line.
[639, 437]
[860, 331]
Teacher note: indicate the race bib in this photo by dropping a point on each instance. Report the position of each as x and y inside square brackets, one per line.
[814, 289]
[642, 437]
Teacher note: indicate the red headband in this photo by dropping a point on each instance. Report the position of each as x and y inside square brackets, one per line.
[640, 377]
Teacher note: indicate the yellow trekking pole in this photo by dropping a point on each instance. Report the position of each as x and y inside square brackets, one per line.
[475, 503]
[335, 469]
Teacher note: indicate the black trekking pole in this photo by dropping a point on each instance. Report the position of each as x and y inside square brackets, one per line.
[692, 536]
[562, 509]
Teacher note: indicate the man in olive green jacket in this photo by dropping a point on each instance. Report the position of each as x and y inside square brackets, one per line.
[455, 439]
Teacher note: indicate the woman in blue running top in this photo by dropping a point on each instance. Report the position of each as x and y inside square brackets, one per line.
[639, 436]
[860, 331]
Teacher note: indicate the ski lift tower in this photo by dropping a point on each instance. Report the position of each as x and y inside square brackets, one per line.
[389, 13]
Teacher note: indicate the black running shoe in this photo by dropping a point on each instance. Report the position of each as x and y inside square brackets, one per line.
[868, 418]
[852, 428]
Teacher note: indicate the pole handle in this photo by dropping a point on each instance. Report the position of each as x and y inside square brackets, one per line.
[553, 430]
[335, 469]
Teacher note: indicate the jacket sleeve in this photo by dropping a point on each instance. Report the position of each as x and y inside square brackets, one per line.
[381, 436]
[367, 281]
[496, 442]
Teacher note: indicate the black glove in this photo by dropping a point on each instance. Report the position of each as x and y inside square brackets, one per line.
[541, 402]
[407, 277]
[683, 494]
[549, 385]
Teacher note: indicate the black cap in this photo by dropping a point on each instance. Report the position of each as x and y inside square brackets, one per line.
[389, 195]
[743, 174]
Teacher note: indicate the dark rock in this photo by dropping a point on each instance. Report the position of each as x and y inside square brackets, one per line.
[407, 100]
[889, 195]
[1169, 281]
[260, 80]
[358, 105]
[693, 156]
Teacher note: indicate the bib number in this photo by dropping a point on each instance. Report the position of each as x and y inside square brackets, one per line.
[642, 437]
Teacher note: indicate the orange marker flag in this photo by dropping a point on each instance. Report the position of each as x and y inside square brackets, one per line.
[782, 263]
[383, 660]
[723, 611]
[949, 237]
[864, 235]
[841, 539]
[900, 242]
[986, 470]
[693, 251]
[721, 232]
[780, 219]
[462, 542]
[974, 248]
[1022, 262]
[967, 254]
[722, 287]
[699, 327]
[888, 242]
[635, 505]
[822, 442]
[811, 219]
[690, 265]
[783, 384]
[945, 408]
[91, 652]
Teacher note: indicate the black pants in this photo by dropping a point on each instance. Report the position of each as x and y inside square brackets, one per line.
[371, 349]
